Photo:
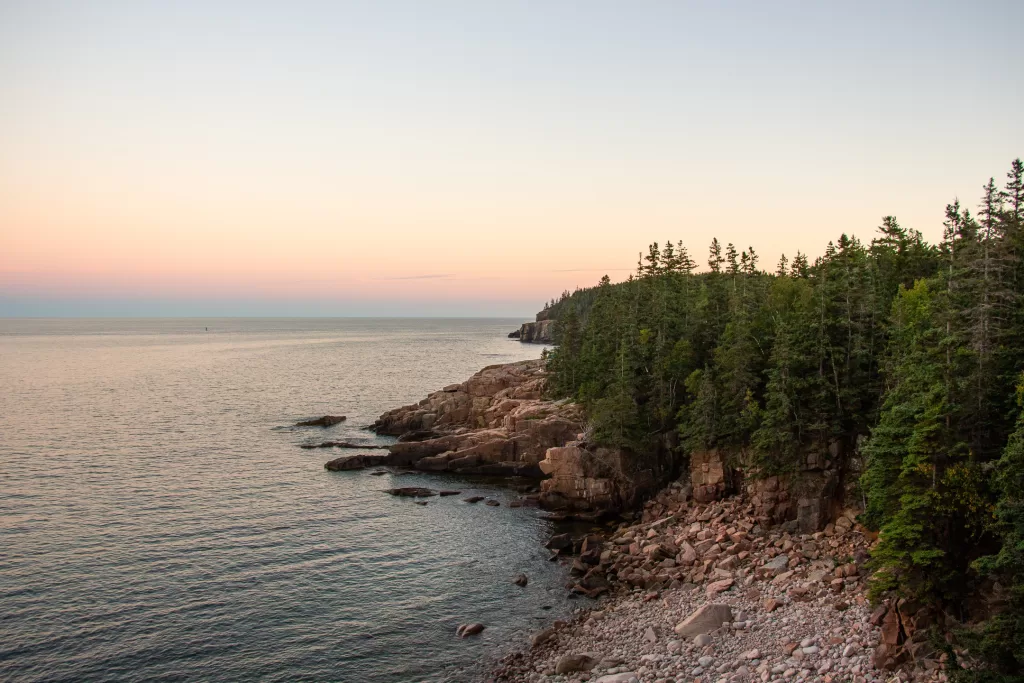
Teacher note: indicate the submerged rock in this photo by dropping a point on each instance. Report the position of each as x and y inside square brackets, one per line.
[411, 492]
[343, 444]
[325, 421]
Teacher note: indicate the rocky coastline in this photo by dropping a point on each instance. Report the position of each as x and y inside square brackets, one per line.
[495, 423]
[539, 332]
[702, 592]
[780, 561]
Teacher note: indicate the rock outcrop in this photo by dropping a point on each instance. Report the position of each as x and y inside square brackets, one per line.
[539, 332]
[496, 423]
[807, 497]
[586, 476]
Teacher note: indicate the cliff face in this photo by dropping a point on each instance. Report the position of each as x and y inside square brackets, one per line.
[809, 498]
[497, 423]
[539, 332]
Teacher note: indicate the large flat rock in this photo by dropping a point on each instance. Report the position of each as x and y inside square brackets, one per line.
[706, 619]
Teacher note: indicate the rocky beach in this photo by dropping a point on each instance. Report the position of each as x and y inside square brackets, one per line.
[706, 594]
[716, 576]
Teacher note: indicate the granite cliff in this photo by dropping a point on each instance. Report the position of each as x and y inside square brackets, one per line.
[495, 423]
[498, 422]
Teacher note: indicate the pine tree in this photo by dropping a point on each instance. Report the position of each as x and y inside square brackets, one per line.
[800, 267]
[782, 270]
[1000, 641]
[732, 258]
[715, 259]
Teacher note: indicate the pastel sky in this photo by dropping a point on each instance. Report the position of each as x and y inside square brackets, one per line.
[470, 158]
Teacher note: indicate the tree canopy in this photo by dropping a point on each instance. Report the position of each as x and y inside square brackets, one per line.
[903, 355]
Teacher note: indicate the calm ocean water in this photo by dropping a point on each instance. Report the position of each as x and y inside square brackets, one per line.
[158, 524]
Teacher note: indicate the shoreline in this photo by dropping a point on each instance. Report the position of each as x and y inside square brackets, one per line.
[792, 606]
[794, 613]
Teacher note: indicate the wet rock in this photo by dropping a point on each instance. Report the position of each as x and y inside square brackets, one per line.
[411, 492]
[559, 542]
[520, 580]
[353, 462]
[447, 492]
[344, 444]
[418, 435]
[493, 503]
[325, 421]
[465, 630]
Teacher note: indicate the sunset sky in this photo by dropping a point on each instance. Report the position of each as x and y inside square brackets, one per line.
[470, 158]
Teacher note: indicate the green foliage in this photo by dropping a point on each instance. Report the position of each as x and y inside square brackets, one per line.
[898, 351]
[1000, 640]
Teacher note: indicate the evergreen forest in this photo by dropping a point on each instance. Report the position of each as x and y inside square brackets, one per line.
[898, 359]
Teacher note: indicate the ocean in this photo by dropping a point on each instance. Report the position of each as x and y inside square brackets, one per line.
[159, 522]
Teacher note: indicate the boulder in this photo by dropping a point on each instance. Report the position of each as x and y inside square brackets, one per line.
[687, 554]
[541, 637]
[520, 580]
[465, 630]
[354, 462]
[706, 619]
[776, 565]
[572, 663]
[559, 542]
[625, 677]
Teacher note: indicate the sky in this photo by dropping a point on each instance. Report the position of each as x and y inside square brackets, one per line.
[470, 158]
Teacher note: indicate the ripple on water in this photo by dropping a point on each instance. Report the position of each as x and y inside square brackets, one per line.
[158, 521]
